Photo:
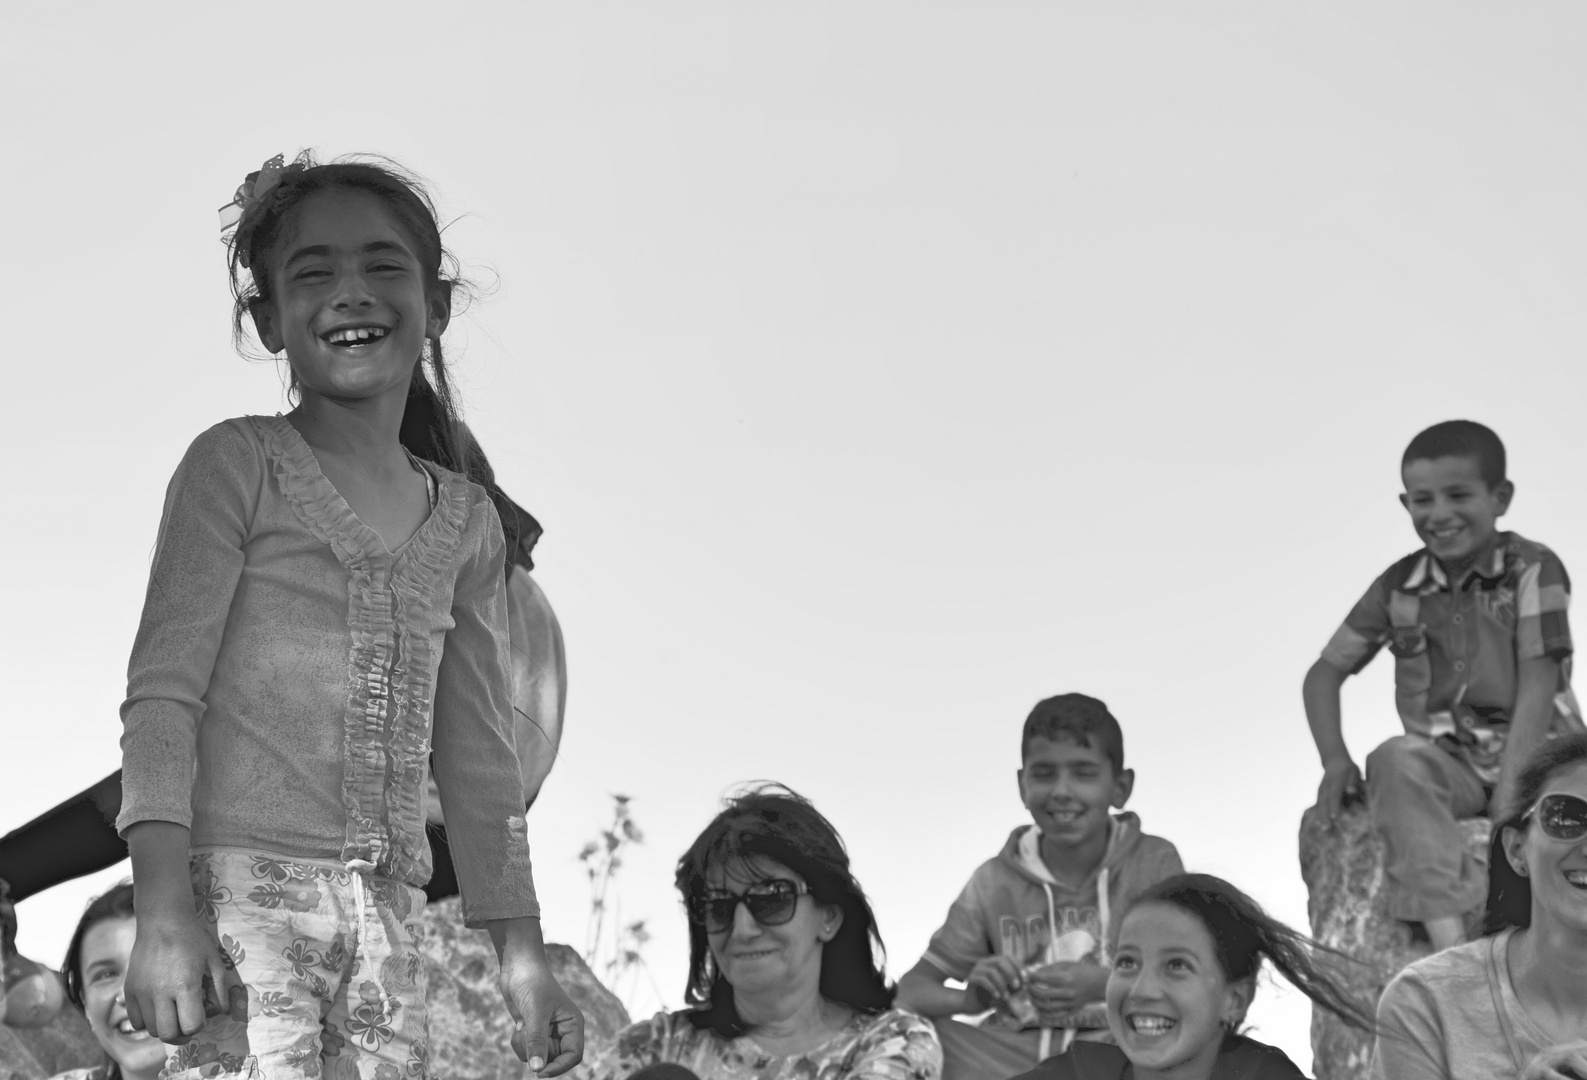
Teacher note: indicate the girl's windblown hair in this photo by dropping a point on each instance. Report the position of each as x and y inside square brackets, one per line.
[1243, 935]
[431, 426]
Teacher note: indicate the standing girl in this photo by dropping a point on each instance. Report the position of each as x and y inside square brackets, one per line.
[326, 611]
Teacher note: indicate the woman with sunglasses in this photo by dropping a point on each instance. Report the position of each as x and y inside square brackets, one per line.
[1514, 1003]
[783, 974]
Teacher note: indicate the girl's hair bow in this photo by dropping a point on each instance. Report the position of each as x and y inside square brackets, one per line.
[252, 191]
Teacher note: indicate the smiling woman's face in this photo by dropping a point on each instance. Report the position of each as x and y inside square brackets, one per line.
[1556, 869]
[106, 948]
[768, 960]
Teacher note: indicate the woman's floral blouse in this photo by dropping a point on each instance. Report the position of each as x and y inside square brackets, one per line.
[894, 1045]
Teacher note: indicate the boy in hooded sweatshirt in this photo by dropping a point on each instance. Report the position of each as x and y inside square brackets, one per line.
[1030, 935]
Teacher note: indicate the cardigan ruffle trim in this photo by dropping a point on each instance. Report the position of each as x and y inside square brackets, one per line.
[393, 683]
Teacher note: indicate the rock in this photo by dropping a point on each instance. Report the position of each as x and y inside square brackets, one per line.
[470, 1030]
[39, 1052]
[1342, 864]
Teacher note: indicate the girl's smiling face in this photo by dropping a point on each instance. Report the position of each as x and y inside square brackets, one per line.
[1169, 1002]
[348, 300]
[1556, 869]
[107, 945]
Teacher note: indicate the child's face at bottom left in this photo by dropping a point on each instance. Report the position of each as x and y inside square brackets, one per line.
[1169, 1002]
[348, 300]
[107, 947]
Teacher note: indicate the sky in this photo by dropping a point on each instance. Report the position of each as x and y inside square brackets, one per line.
[876, 369]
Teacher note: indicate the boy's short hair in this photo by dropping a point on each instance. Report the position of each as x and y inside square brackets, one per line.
[1075, 716]
[1462, 439]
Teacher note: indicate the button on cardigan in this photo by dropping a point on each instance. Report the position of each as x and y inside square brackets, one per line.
[287, 669]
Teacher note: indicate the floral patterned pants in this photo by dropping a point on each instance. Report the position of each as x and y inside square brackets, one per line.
[330, 961]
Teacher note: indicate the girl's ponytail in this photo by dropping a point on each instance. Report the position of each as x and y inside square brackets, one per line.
[431, 429]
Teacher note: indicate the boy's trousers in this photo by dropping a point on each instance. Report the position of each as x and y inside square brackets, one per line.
[330, 961]
[970, 1052]
[1418, 792]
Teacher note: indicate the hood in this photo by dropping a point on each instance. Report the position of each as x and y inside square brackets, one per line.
[1022, 850]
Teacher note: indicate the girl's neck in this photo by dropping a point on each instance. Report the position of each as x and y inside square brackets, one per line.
[141, 1074]
[364, 431]
[1548, 968]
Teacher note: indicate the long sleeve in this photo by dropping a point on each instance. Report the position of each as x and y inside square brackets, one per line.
[198, 559]
[476, 763]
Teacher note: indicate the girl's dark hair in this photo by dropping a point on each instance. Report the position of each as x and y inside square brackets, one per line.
[1243, 935]
[770, 821]
[115, 904]
[1509, 893]
[431, 426]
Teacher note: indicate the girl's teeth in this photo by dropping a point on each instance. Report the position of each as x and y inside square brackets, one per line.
[357, 335]
[1577, 878]
[1151, 1025]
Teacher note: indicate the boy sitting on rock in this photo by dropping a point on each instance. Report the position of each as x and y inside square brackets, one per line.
[1476, 623]
[1031, 934]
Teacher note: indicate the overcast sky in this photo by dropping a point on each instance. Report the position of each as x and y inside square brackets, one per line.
[876, 369]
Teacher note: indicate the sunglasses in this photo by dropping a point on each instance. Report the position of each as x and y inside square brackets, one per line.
[771, 903]
[1561, 817]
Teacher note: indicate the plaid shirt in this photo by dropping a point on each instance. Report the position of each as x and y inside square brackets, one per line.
[1457, 647]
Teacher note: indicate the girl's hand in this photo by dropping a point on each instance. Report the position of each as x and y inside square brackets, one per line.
[175, 977]
[1567, 1061]
[550, 1034]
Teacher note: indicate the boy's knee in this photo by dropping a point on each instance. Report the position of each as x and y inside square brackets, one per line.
[1398, 758]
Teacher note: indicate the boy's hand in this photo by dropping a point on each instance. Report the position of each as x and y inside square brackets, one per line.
[1341, 785]
[1068, 985]
[175, 978]
[992, 979]
[549, 1037]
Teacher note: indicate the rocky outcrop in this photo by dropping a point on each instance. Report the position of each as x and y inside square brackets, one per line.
[469, 1026]
[1342, 863]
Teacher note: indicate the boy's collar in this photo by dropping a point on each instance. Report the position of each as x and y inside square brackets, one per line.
[1429, 575]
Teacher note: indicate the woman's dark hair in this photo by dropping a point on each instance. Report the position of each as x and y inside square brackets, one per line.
[770, 821]
[1243, 935]
[1510, 893]
[115, 904]
[431, 426]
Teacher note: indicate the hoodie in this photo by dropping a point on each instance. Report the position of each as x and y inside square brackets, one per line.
[1013, 906]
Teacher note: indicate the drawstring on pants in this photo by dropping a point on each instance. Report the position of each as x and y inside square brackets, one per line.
[357, 868]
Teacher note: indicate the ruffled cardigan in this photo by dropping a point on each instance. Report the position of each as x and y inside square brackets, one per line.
[288, 667]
